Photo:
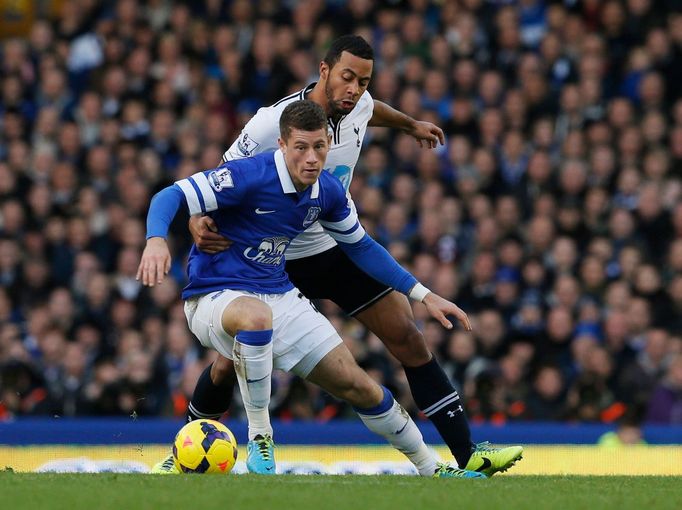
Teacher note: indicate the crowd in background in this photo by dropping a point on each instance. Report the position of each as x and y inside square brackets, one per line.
[552, 214]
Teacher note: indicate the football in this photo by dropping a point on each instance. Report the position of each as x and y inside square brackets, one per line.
[205, 446]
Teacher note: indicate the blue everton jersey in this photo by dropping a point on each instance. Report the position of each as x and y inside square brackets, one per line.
[254, 203]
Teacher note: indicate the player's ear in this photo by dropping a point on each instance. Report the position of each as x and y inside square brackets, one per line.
[324, 70]
[329, 140]
[282, 145]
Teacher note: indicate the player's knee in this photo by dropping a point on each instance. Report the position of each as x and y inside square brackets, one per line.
[257, 322]
[251, 315]
[258, 318]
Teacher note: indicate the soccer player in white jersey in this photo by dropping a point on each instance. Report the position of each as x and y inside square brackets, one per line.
[241, 303]
[321, 270]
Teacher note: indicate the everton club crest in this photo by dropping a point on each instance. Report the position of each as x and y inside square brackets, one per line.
[311, 217]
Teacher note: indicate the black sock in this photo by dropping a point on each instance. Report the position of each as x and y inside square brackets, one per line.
[438, 400]
[210, 401]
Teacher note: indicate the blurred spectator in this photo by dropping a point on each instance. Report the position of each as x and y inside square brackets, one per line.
[546, 400]
[665, 405]
[552, 214]
[627, 433]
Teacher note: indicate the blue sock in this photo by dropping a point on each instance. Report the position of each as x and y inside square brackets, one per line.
[260, 337]
[382, 407]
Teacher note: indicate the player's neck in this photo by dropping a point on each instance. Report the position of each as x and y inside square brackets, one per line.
[318, 95]
[298, 186]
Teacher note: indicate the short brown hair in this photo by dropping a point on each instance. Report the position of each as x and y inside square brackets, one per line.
[304, 115]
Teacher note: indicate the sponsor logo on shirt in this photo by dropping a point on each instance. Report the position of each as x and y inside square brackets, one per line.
[270, 251]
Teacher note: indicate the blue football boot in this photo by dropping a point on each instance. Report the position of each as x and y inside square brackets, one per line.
[445, 470]
[261, 456]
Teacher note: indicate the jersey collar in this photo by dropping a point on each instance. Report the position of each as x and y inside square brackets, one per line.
[306, 90]
[285, 178]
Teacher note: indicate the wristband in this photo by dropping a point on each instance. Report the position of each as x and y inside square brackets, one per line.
[419, 292]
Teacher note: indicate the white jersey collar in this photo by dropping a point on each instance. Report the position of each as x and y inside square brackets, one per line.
[306, 90]
[285, 178]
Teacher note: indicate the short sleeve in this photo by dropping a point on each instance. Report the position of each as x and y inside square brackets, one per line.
[259, 135]
[339, 217]
[213, 189]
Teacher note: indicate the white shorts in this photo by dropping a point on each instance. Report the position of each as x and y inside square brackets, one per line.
[301, 335]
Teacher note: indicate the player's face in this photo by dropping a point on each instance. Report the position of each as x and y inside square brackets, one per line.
[305, 153]
[345, 82]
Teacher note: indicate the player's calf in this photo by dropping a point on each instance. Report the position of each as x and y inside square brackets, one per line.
[392, 321]
[391, 421]
[213, 392]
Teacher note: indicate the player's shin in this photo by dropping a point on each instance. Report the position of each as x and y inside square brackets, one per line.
[391, 421]
[210, 400]
[253, 365]
[439, 401]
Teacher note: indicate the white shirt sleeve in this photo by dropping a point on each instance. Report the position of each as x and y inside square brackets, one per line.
[259, 135]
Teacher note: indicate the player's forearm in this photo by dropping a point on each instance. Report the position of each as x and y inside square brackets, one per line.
[374, 260]
[387, 116]
[162, 210]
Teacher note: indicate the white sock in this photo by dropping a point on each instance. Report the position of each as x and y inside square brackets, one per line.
[399, 430]
[253, 365]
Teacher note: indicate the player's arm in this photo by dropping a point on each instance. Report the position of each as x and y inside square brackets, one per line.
[201, 193]
[424, 132]
[256, 137]
[156, 257]
[374, 260]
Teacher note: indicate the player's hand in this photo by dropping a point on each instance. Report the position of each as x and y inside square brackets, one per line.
[155, 263]
[205, 234]
[427, 134]
[439, 308]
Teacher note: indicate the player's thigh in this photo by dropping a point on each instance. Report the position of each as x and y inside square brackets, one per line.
[301, 335]
[333, 275]
[339, 374]
[205, 319]
[391, 319]
[386, 313]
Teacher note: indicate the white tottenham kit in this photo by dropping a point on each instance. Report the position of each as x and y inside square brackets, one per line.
[261, 133]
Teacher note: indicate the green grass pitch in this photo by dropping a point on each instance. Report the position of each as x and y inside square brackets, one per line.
[289, 492]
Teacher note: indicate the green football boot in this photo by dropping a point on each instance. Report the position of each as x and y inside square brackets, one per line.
[165, 467]
[489, 460]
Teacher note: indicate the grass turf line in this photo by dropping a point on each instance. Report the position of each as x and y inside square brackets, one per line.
[115, 491]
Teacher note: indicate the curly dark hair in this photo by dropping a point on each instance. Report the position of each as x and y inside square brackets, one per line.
[353, 44]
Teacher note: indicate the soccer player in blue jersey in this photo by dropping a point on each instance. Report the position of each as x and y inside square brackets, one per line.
[322, 270]
[241, 303]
